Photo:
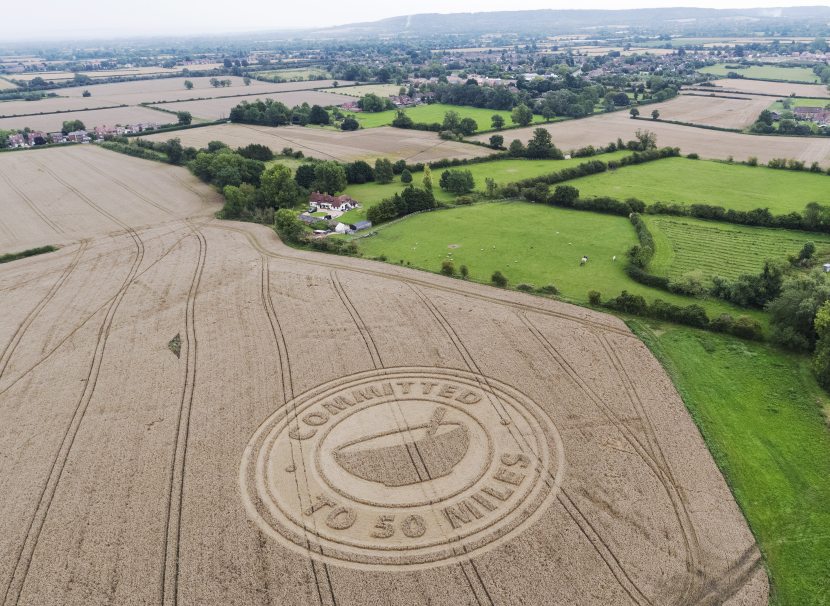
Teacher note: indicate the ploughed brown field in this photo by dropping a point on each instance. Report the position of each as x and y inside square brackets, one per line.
[605, 128]
[326, 144]
[193, 413]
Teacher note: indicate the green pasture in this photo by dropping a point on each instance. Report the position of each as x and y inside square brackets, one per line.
[528, 243]
[760, 411]
[293, 74]
[434, 112]
[720, 249]
[778, 106]
[502, 171]
[684, 181]
[765, 72]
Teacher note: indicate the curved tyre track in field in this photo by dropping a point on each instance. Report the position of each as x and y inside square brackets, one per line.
[20, 333]
[170, 565]
[319, 570]
[30, 203]
[645, 451]
[628, 524]
[469, 569]
[85, 321]
[15, 585]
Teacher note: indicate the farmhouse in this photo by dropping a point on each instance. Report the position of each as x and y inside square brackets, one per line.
[818, 115]
[327, 202]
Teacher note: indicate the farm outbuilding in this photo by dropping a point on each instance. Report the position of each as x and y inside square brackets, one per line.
[361, 225]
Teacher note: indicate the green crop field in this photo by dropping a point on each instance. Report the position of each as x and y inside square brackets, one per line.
[679, 180]
[294, 74]
[685, 245]
[528, 243]
[765, 72]
[434, 112]
[794, 102]
[760, 411]
[502, 171]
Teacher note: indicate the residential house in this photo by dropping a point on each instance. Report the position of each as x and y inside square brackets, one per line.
[327, 202]
[819, 115]
[77, 136]
[18, 140]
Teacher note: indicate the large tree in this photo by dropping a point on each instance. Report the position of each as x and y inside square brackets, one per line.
[304, 175]
[318, 115]
[329, 177]
[521, 115]
[452, 121]
[383, 171]
[793, 313]
[457, 181]
[467, 126]
[278, 189]
[541, 146]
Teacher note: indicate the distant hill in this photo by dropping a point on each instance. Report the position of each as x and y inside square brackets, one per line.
[674, 20]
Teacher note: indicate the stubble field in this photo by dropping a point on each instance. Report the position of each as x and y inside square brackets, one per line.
[173, 89]
[602, 129]
[326, 144]
[193, 413]
[205, 101]
[220, 107]
[92, 118]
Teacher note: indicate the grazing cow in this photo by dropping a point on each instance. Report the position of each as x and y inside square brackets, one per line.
[614, 258]
[583, 260]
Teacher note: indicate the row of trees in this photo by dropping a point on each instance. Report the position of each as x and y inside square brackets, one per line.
[411, 200]
[275, 113]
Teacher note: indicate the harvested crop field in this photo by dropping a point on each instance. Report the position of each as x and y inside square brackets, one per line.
[179, 425]
[91, 118]
[58, 196]
[381, 90]
[51, 105]
[602, 129]
[785, 89]
[326, 144]
[173, 89]
[710, 111]
[220, 108]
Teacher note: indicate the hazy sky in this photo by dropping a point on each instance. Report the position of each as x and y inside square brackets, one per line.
[33, 19]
